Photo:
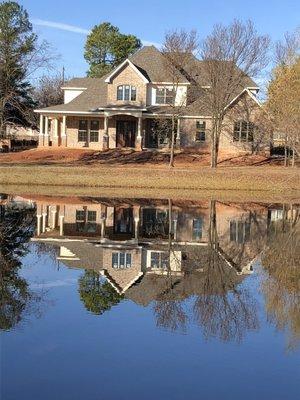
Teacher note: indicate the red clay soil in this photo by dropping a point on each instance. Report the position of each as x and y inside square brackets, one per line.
[186, 158]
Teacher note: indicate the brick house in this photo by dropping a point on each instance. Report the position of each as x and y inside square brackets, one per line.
[122, 108]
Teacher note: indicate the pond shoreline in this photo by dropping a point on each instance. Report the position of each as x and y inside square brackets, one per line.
[235, 183]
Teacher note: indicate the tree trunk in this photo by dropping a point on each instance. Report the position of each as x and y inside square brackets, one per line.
[171, 163]
[216, 130]
[293, 157]
[285, 152]
[213, 162]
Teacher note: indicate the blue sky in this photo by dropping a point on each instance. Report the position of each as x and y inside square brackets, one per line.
[65, 23]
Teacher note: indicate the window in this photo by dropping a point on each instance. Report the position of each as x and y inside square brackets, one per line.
[80, 220]
[243, 131]
[92, 216]
[80, 215]
[133, 93]
[121, 260]
[200, 131]
[239, 231]
[88, 131]
[91, 226]
[94, 131]
[94, 136]
[86, 221]
[159, 260]
[126, 92]
[155, 223]
[120, 93]
[164, 95]
[83, 130]
[197, 228]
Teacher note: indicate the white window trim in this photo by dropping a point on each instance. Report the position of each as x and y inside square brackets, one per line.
[123, 92]
[126, 265]
[165, 88]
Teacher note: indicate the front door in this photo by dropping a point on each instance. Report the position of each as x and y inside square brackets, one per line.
[126, 131]
[123, 221]
[151, 138]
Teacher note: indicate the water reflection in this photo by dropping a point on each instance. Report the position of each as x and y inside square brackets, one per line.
[186, 259]
[17, 226]
[281, 286]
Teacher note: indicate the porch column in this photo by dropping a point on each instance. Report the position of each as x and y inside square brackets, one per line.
[42, 131]
[105, 140]
[55, 132]
[178, 134]
[175, 228]
[53, 212]
[61, 225]
[136, 213]
[138, 144]
[46, 132]
[64, 131]
[103, 216]
[44, 215]
[38, 225]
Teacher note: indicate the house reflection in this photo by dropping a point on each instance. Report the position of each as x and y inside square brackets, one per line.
[163, 252]
[129, 240]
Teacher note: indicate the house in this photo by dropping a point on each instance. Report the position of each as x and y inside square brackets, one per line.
[18, 137]
[122, 109]
[128, 240]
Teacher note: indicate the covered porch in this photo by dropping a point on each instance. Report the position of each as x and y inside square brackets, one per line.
[101, 130]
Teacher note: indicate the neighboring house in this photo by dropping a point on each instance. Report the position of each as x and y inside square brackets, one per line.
[122, 108]
[19, 137]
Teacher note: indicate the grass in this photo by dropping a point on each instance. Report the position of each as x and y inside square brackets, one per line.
[265, 182]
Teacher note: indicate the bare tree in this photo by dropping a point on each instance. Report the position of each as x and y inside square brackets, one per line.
[48, 91]
[230, 54]
[287, 50]
[178, 48]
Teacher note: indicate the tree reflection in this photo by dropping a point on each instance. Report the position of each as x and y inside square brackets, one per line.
[168, 310]
[16, 229]
[281, 285]
[225, 309]
[97, 296]
[222, 307]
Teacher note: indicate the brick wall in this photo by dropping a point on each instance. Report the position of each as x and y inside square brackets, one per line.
[127, 77]
[72, 133]
[188, 131]
[123, 277]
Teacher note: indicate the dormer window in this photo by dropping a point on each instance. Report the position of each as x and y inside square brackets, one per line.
[126, 92]
[164, 95]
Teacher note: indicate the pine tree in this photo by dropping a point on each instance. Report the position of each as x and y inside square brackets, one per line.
[17, 45]
[106, 47]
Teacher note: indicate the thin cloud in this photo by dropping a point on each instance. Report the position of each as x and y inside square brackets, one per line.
[76, 29]
[61, 26]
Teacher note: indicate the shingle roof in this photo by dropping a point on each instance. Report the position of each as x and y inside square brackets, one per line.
[93, 97]
[150, 62]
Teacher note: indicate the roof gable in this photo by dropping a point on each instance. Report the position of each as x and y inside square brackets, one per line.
[120, 68]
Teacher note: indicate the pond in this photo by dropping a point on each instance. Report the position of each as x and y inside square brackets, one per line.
[111, 298]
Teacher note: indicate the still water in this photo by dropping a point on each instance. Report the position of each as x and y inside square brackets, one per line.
[149, 299]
